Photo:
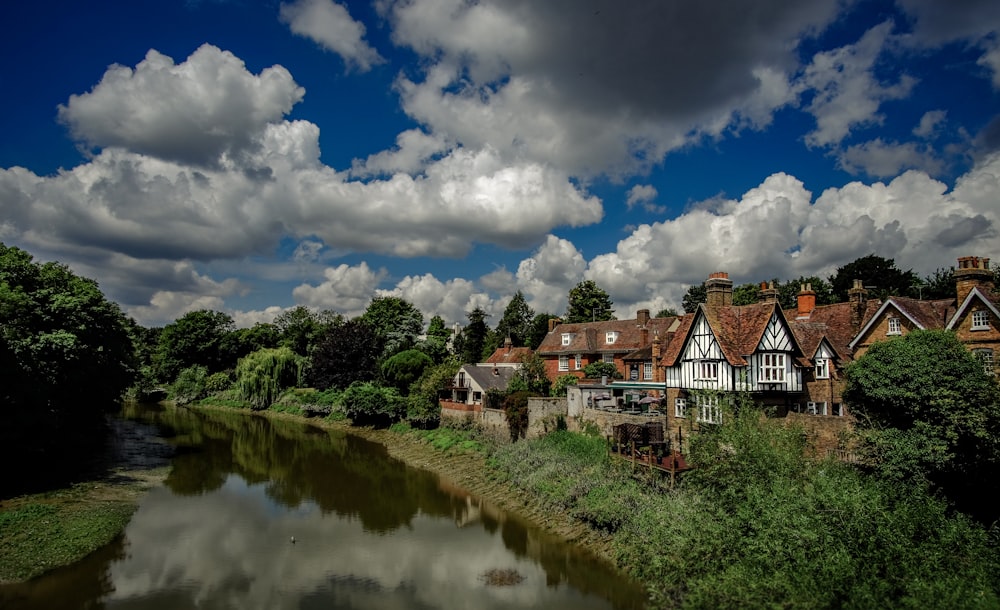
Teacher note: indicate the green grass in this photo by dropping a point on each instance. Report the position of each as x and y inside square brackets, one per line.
[445, 439]
[45, 531]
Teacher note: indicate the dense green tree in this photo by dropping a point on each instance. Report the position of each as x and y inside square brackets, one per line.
[300, 327]
[423, 404]
[344, 354]
[746, 294]
[371, 404]
[928, 409]
[597, 370]
[531, 376]
[695, 295]
[262, 375]
[435, 343]
[473, 337]
[938, 285]
[539, 328]
[789, 292]
[397, 321]
[516, 321]
[197, 338]
[881, 274]
[559, 387]
[244, 341]
[588, 302]
[66, 357]
[402, 369]
[668, 312]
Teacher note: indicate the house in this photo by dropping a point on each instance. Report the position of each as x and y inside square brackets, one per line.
[508, 354]
[471, 383]
[569, 347]
[974, 314]
[722, 348]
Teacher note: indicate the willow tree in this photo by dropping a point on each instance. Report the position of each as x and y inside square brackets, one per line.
[262, 375]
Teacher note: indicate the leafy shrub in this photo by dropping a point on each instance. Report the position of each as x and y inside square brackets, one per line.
[596, 370]
[515, 410]
[189, 385]
[218, 382]
[562, 382]
[368, 403]
[262, 375]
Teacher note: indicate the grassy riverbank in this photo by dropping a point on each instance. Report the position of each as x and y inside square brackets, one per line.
[43, 531]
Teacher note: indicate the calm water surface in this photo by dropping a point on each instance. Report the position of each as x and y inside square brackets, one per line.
[369, 531]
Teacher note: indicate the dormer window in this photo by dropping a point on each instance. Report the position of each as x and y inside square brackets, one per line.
[567, 338]
[894, 327]
[610, 337]
[980, 320]
[822, 368]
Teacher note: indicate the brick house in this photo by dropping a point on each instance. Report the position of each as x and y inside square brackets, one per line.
[973, 315]
[568, 348]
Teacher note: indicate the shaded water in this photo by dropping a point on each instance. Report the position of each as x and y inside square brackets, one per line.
[369, 532]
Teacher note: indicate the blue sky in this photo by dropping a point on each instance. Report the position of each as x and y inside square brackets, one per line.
[252, 156]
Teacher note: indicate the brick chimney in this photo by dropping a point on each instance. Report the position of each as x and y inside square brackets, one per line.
[657, 348]
[553, 322]
[972, 272]
[642, 317]
[857, 296]
[768, 293]
[805, 300]
[507, 345]
[718, 290]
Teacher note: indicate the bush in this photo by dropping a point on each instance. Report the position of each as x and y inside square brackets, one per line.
[368, 403]
[262, 375]
[515, 410]
[218, 382]
[562, 382]
[190, 385]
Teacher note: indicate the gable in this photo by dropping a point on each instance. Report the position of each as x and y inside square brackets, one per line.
[975, 298]
[777, 337]
[888, 310]
[701, 343]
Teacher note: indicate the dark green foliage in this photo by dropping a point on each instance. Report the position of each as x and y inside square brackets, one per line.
[423, 409]
[396, 321]
[371, 404]
[243, 341]
[669, 312]
[596, 370]
[346, 353]
[263, 375]
[559, 387]
[588, 302]
[516, 322]
[789, 291]
[197, 338]
[66, 358]
[927, 408]
[746, 294]
[881, 273]
[695, 295]
[531, 376]
[435, 345]
[539, 328]
[189, 385]
[404, 368]
[300, 328]
[515, 410]
[473, 337]
[938, 285]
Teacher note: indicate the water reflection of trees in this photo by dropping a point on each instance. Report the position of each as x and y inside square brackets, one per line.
[298, 463]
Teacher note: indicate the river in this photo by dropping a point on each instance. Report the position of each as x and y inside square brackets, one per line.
[262, 513]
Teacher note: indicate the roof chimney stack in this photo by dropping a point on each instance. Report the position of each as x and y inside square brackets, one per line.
[972, 272]
[768, 293]
[857, 296]
[806, 301]
[718, 290]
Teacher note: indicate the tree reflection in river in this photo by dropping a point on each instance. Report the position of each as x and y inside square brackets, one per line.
[369, 532]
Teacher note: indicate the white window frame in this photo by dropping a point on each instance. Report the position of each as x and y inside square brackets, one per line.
[647, 371]
[772, 367]
[706, 370]
[608, 357]
[816, 408]
[610, 337]
[895, 327]
[822, 368]
[578, 362]
[680, 407]
[563, 363]
[709, 409]
[838, 409]
[985, 355]
[981, 320]
[567, 338]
